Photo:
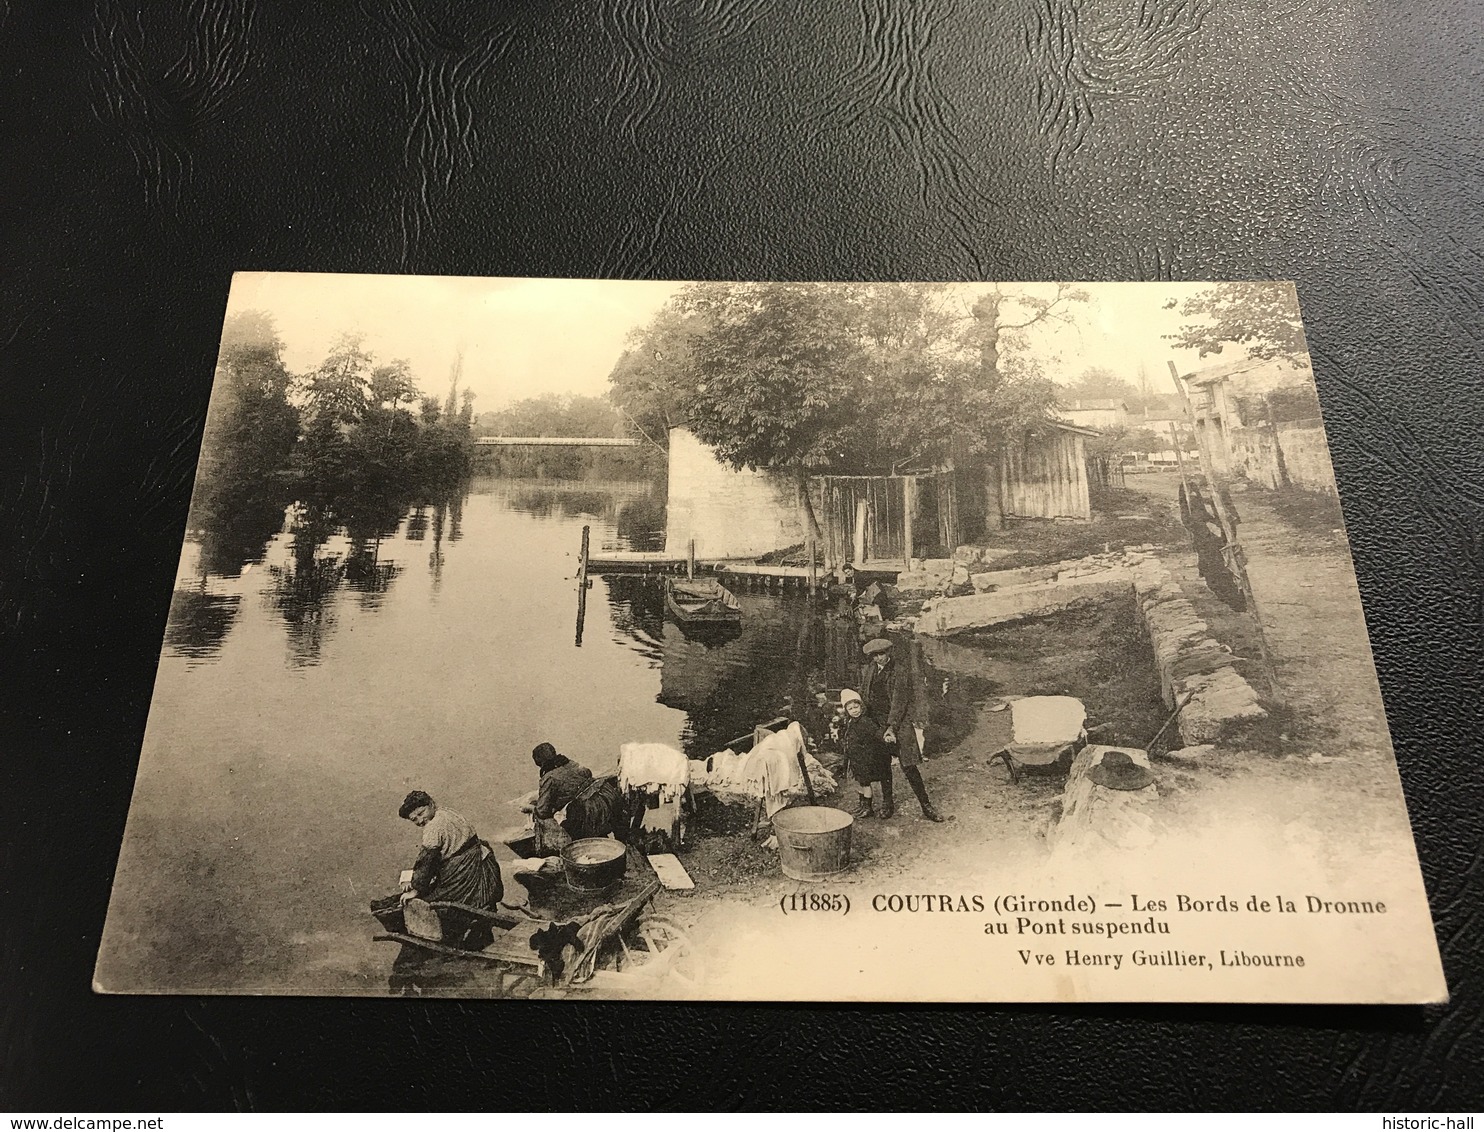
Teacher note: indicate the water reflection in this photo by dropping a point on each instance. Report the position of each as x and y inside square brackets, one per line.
[237, 534]
[641, 523]
[199, 621]
[429, 646]
[637, 609]
[634, 511]
[367, 575]
[300, 593]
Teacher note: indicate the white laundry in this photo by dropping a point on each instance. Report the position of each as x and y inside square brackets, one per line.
[652, 767]
[770, 771]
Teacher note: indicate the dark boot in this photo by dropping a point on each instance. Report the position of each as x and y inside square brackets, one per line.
[884, 808]
[862, 807]
[914, 779]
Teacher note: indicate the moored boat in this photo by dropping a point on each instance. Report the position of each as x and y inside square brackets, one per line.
[701, 601]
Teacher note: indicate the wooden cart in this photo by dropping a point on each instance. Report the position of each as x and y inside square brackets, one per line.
[617, 947]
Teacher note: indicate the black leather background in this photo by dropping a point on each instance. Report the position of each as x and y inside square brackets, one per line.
[144, 157]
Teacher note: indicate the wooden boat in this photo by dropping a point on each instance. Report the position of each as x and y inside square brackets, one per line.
[701, 601]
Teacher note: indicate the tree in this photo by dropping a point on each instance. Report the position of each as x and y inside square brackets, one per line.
[841, 377]
[1147, 440]
[768, 381]
[1006, 312]
[553, 414]
[250, 431]
[653, 378]
[1099, 383]
[392, 385]
[1263, 318]
[339, 388]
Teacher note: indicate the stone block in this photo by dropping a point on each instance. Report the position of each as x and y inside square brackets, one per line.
[1201, 658]
[1025, 575]
[1223, 704]
[1176, 617]
[977, 611]
[919, 582]
[1095, 818]
[967, 554]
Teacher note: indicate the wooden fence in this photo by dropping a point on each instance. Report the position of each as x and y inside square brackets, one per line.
[880, 521]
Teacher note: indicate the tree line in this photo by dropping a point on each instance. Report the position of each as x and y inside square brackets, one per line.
[877, 378]
[857, 378]
[353, 442]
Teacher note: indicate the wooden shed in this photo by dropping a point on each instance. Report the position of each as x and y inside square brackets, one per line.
[1045, 477]
[881, 522]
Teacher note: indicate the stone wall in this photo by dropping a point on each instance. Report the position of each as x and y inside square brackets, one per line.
[729, 514]
[1306, 457]
[1189, 662]
[1254, 454]
[1222, 703]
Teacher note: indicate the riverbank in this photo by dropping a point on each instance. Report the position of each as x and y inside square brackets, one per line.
[1316, 780]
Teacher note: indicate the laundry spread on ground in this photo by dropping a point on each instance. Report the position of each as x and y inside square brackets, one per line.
[769, 771]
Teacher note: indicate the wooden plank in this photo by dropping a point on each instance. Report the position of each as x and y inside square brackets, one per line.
[634, 556]
[660, 560]
[671, 872]
[909, 500]
[752, 569]
[582, 558]
[488, 956]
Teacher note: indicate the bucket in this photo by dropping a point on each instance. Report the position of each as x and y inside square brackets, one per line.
[594, 863]
[813, 841]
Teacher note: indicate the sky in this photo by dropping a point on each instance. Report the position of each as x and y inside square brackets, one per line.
[525, 337]
[520, 337]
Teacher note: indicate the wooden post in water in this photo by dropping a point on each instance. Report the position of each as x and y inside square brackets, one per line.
[690, 561]
[582, 583]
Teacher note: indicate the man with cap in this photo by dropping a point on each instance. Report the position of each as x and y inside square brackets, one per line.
[896, 699]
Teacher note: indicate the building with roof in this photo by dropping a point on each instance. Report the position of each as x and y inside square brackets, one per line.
[1259, 420]
[1104, 413]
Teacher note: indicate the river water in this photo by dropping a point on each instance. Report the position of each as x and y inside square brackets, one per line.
[305, 687]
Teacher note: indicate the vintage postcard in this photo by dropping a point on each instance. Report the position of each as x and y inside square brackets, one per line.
[769, 641]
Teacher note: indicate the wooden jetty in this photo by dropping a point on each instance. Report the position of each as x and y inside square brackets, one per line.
[744, 573]
[735, 571]
[641, 562]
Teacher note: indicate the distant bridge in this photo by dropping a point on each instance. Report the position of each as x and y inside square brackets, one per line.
[555, 442]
